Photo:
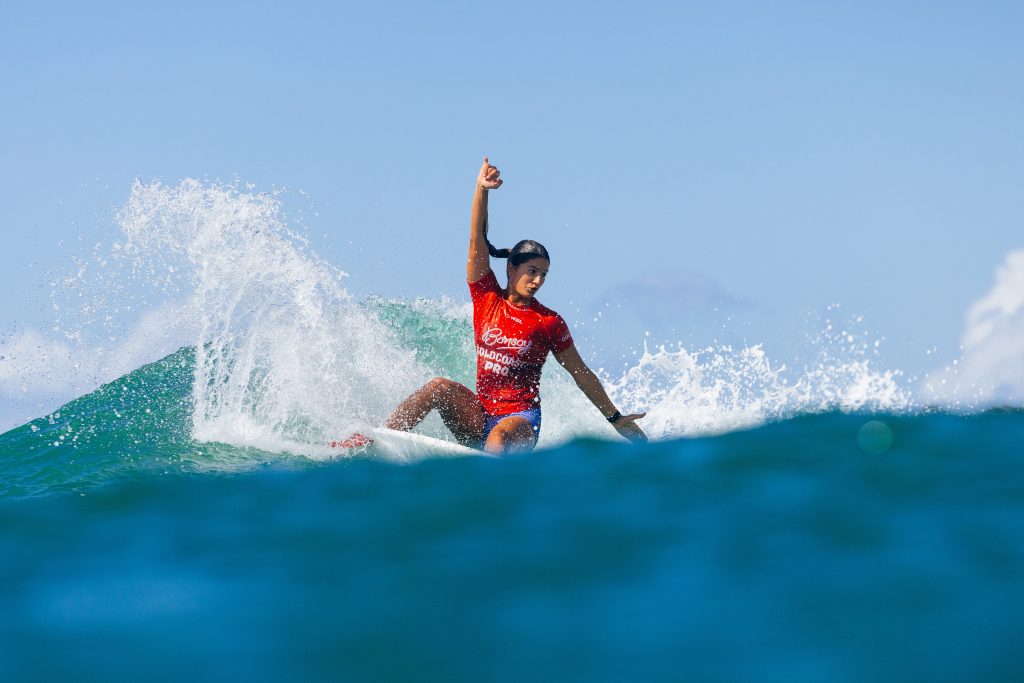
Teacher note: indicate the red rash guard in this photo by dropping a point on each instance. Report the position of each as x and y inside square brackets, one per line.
[512, 343]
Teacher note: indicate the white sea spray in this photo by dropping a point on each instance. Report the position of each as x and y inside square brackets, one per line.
[716, 390]
[285, 358]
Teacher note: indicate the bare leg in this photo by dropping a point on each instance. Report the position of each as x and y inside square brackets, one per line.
[458, 406]
[511, 435]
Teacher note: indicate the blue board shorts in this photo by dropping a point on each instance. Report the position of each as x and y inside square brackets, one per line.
[532, 416]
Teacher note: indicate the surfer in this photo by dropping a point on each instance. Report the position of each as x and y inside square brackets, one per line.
[513, 333]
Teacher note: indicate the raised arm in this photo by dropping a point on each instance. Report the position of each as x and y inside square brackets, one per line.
[591, 387]
[479, 261]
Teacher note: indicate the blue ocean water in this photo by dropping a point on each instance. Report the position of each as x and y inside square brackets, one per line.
[784, 552]
[184, 518]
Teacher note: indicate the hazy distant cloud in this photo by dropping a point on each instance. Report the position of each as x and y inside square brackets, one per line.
[992, 367]
[31, 363]
[657, 295]
[659, 302]
[660, 308]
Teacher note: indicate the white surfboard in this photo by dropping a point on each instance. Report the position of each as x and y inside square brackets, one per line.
[399, 446]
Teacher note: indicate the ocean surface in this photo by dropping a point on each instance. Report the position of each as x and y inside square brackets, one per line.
[181, 516]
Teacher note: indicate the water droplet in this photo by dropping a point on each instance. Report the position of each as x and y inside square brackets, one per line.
[874, 437]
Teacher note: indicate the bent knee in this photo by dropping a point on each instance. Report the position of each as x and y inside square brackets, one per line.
[437, 382]
[516, 426]
[446, 389]
[511, 434]
[440, 384]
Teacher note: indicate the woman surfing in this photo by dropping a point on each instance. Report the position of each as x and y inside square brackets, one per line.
[513, 333]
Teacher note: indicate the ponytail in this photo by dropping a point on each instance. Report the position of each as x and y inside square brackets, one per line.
[497, 253]
[493, 250]
[521, 253]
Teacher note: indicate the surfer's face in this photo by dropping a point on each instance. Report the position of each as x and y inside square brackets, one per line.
[526, 278]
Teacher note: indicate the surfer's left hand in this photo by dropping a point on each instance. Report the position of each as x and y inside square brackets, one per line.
[627, 427]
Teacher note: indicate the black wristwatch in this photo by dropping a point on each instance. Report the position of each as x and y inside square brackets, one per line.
[615, 417]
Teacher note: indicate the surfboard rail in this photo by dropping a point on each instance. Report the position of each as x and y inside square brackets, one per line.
[398, 446]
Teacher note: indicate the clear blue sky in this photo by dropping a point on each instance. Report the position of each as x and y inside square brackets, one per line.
[789, 155]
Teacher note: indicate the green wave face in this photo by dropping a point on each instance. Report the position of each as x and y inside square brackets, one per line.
[137, 425]
[443, 343]
[140, 421]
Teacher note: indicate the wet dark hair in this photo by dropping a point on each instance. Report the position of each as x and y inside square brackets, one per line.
[521, 253]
